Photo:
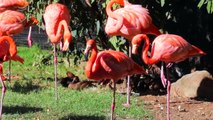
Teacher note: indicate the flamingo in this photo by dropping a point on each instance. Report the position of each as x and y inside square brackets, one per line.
[13, 22]
[129, 21]
[16, 17]
[168, 48]
[8, 52]
[109, 64]
[57, 19]
[12, 4]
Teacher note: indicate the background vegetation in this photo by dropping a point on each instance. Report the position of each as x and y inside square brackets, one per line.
[191, 19]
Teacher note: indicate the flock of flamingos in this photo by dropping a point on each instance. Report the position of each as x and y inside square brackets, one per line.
[131, 21]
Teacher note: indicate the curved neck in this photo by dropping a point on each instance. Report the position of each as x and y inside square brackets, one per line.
[67, 33]
[145, 57]
[115, 16]
[12, 48]
[55, 38]
[91, 60]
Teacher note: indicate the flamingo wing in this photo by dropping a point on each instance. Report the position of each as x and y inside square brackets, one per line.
[54, 13]
[115, 64]
[12, 4]
[12, 22]
[171, 48]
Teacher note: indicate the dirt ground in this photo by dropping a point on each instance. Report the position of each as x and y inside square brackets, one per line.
[181, 109]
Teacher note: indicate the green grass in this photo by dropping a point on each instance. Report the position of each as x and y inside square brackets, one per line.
[31, 96]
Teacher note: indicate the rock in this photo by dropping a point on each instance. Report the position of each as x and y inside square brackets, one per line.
[195, 85]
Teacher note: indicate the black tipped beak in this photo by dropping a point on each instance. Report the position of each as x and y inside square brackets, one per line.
[86, 57]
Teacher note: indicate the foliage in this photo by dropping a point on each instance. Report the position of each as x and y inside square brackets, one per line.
[188, 19]
[208, 3]
[89, 21]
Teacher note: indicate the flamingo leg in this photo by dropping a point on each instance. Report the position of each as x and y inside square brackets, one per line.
[128, 90]
[162, 76]
[29, 38]
[2, 96]
[166, 83]
[168, 92]
[55, 72]
[9, 72]
[113, 101]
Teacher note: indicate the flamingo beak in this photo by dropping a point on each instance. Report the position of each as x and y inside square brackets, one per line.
[134, 49]
[86, 52]
[86, 57]
[88, 3]
[22, 5]
[66, 46]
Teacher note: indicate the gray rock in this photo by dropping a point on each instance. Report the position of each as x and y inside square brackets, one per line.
[197, 84]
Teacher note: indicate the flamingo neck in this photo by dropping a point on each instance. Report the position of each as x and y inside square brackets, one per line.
[12, 48]
[115, 16]
[109, 8]
[91, 61]
[55, 38]
[67, 33]
[145, 57]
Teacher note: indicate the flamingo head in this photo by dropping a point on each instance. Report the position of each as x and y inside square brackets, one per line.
[136, 41]
[89, 45]
[67, 40]
[22, 4]
[12, 51]
[120, 2]
[32, 21]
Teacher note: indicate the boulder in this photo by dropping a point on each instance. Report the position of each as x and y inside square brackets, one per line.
[198, 84]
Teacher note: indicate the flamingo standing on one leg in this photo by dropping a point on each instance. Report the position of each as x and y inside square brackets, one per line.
[8, 52]
[57, 19]
[167, 48]
[127, 22]
[13, 22]
[109, 64]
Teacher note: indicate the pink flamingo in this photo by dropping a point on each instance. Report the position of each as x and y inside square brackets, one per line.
[109, 64]
[13, 22]
[167, 48]
[57, 19]
[127, 22]
[8, 52]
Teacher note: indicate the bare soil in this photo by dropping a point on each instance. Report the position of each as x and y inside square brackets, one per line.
[180, 109]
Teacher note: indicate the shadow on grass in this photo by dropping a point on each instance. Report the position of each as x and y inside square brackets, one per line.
[82, 117]
[20, 109]
[26, 88]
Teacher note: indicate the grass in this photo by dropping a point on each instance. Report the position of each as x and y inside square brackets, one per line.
[31, 94]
